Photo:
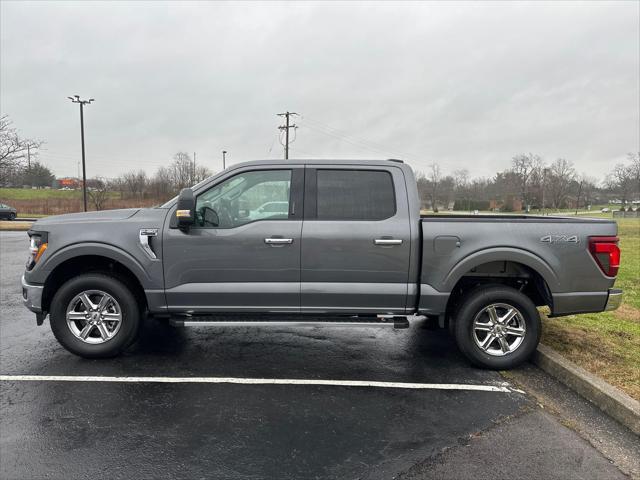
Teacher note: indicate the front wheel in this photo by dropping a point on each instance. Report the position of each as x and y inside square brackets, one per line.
[497, 327]
[95, 316]
[12, 216]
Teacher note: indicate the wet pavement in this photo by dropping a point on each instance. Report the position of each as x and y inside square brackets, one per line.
[90, 429]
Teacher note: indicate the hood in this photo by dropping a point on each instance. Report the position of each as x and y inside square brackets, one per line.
[101, 216]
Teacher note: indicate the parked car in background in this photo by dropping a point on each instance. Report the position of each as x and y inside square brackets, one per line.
[7, 212]
[605, 210]
[270, 210]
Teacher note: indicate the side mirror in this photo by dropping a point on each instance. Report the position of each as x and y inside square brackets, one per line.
[186, 211]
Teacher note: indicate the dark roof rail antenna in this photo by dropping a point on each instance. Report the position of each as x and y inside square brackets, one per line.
[395, 160]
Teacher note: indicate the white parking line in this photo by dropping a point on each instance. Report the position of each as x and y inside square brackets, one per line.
[255, 381]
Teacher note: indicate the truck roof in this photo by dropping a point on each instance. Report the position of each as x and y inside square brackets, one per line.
[309, 161]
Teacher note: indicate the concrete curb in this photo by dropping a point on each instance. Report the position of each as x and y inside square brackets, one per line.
[15, 226]
[608, 398]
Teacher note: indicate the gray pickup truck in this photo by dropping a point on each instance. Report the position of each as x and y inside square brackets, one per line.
[312, 242]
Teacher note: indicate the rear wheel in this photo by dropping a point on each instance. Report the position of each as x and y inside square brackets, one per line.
[12, 216]
[95, 315]
[497, 327]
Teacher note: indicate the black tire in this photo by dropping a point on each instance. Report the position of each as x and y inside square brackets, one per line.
[128, 305]
[474, 305]
[12, 216]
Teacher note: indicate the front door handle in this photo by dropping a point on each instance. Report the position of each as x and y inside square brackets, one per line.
[387, 241]
[278, 241]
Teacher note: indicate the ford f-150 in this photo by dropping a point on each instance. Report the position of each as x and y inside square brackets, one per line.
[308, 242]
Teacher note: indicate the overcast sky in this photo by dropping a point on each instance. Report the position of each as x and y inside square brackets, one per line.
[464, 85]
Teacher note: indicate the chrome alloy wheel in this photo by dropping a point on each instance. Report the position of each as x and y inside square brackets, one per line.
[499, 329]
[94, 316]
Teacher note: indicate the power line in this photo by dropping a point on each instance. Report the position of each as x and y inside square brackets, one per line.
[353, 140]
[385, 153]
[286, 127]
[272, 144]
[362, 140]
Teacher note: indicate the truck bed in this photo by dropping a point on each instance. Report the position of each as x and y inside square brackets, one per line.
[512, 218]
[555, 248]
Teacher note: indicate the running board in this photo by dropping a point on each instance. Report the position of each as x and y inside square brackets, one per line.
[287, 321]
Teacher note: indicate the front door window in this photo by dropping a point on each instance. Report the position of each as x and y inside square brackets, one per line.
[245, 198]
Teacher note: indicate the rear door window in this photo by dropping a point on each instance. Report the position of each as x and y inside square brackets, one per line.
[355, 195]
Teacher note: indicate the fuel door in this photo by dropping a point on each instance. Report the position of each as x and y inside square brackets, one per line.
[445, 244]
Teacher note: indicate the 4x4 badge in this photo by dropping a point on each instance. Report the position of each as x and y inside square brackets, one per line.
[560, 239]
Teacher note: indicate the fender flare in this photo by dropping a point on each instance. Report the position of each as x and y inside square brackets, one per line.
[500, 254]
[102, 250]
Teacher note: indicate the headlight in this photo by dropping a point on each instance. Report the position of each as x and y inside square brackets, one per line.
[37, 247]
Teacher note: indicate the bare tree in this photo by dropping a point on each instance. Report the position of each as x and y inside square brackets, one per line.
[561, 176]
[461, 185]
[621, 180]
[201, 173]
[461, 178]
[182, 170]
[634, 158]
[434, 177]
[589, 187]
[135, 183]
[524, 166]
[423, 188]
[13, 149]
[161, 185]
[99, 192]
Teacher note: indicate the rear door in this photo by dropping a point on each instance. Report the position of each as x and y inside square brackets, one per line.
[355, 240]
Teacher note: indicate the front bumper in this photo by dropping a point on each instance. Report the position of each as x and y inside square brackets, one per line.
[32, 296]
[614, 300]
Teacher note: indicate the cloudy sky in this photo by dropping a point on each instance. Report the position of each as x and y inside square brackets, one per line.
[464, 85]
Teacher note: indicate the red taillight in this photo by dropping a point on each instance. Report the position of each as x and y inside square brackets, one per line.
[606, 253]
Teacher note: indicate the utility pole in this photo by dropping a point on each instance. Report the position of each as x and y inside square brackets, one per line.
[82, 103]
[286, 128]
[544, 180]
[29, 157]
[578, 199]
[224, 159]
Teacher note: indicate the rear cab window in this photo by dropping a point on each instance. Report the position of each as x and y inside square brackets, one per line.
[343, 194]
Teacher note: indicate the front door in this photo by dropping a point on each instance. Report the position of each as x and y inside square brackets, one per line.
[243, 253]
[356, 240]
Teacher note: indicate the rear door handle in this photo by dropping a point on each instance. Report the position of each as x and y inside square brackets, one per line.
[387, 241]
[278, 241]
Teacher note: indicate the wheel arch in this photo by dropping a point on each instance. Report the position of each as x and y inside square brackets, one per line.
[512, 255]
[517, 269]
[88, 258]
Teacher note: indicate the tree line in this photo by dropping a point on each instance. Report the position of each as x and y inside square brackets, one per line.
[165, 183]
[529, 182]
[19, 163]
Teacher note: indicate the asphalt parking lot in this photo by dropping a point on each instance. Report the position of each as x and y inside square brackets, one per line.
[141, 429]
